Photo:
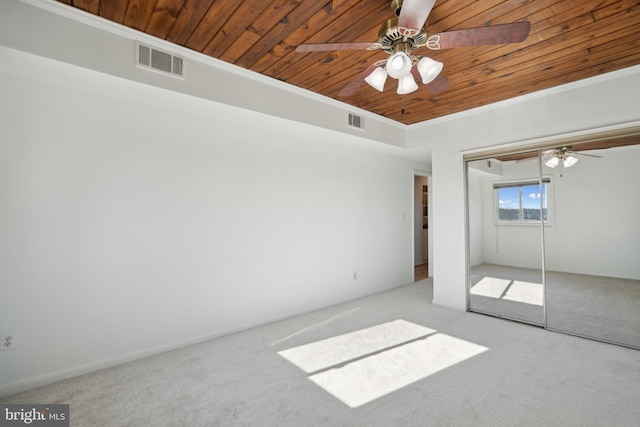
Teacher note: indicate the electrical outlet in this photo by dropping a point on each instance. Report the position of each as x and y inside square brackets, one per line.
[8, 342]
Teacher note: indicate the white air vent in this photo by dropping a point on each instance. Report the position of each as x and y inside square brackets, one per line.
[154, 59]
[356, 121]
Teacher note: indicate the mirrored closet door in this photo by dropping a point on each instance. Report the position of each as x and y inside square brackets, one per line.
[593, 250]
[506, 206]
[554, 238]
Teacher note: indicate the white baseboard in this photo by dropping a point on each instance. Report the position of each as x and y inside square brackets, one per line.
[52, 377]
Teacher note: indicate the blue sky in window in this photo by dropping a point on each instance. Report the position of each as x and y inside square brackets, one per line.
[509, 197]
[531, 197]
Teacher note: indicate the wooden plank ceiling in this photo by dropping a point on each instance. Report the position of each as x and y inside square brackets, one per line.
[568, 41]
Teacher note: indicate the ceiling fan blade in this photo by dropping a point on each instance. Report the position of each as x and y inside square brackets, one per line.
[356, 83]
[494, 34]
[413, 15]
[585, 154]
[326, 47]
[438, 85]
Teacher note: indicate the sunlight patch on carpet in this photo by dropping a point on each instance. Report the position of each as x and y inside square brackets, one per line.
[367, 364]
[343, 348]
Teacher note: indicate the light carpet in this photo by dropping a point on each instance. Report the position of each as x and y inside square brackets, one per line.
[511, 375]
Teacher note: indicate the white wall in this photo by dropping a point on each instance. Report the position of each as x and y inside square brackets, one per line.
[129, 228]
[608, 102]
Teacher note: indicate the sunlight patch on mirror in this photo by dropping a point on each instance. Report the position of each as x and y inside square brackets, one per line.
[491, 287]
[367, 364]
[526, 292]
[511, 290]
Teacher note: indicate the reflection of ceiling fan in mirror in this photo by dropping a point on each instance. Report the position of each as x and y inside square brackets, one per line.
[399, 37]
[562, 156]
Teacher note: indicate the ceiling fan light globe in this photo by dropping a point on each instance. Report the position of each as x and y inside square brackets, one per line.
[569, 161]
[399, 65]
[377, 79]
[552, 162]
[407, 84]
[429, 69]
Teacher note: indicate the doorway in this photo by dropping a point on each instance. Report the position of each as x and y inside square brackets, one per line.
[421, 242]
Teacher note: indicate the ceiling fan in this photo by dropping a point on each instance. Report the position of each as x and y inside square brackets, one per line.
[561, 156]
[400, 36]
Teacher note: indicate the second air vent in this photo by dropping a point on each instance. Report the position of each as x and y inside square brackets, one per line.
[356, 121]
[155, 59]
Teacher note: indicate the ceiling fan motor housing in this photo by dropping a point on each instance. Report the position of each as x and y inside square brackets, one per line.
[389, 36]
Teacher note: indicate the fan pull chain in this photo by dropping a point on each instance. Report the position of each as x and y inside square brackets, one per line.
[400, 86]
